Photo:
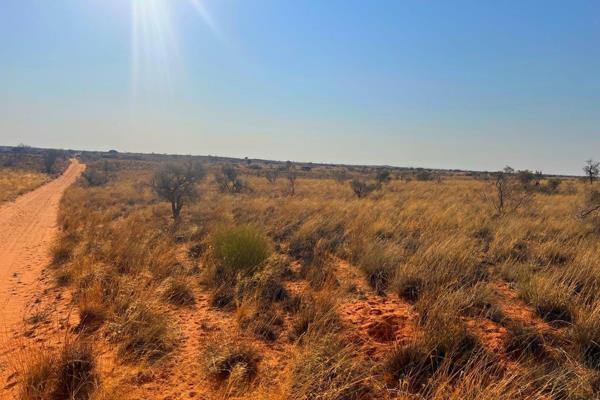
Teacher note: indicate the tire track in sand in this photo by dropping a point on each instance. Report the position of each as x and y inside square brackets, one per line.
[27, 228]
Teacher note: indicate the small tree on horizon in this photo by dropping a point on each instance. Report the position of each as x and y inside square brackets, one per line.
[176, 183]
[50, 157]
[292, 175]
[591, 169]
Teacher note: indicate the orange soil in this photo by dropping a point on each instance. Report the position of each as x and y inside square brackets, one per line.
[27, 229]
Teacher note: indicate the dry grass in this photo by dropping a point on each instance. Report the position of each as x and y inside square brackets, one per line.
[475, 292]
[14, 183]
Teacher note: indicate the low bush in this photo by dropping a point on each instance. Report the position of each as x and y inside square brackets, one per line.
[550, 299]
[178, 292]
[586, 335]
[408, 367]
[328, 369]
[230, 361]
[316, 316]
[379, 262]
[71, 374]
[240, 250]
[523, 340]
[141, 332]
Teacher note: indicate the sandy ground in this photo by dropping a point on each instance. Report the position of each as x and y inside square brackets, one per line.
[27, 228]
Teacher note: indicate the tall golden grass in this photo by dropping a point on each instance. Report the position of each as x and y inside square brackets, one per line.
[531, 276]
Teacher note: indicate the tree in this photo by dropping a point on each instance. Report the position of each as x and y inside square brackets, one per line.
[340, 175]
[591, 169]
[509, 193]
[362, 189]
[50, 157]
[593, 204]
[271, 174]
[228, 179]
[292, 175]
[383, 176]
[526, 177]
[177, 184]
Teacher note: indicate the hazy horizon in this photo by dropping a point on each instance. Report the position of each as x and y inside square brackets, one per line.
[464, 85]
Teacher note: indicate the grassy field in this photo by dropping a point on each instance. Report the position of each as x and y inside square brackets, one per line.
[418, 289]
[14, 183]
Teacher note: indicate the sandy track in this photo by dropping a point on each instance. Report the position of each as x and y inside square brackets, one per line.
[27, 229]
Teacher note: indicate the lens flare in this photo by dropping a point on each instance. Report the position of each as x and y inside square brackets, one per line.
[156, 59]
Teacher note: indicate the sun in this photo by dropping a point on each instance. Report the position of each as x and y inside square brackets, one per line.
[156, 57]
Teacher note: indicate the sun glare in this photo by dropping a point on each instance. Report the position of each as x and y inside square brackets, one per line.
[155, 49]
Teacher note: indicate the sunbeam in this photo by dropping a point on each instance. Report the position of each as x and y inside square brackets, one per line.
[155, 54]
[205, 15]
[154, 46]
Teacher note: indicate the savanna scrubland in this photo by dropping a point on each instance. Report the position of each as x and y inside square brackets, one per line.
[280, 281]
[21, 171]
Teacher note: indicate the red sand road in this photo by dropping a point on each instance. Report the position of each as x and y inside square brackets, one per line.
[27, 229]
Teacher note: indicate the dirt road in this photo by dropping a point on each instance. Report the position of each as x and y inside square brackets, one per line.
[27, 229]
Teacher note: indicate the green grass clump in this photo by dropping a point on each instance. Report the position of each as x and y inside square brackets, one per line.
[240, 250]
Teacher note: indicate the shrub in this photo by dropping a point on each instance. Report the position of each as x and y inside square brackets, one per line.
[76, 372]
[260, 319]
[239, 250]
[228, 181]
[142, 333]
[586, 336]
[328, 369]
[93, 176]
[316, 316]
[178, 292]
[550, 299]
[227, 361]
[176, 183]
[362, 189]
[523, 340]
[91, 316]
[378, 262]
[408, 367]
[68, 375]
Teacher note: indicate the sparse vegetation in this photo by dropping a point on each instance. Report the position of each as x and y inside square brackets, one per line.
[176, 183]
[415, 289]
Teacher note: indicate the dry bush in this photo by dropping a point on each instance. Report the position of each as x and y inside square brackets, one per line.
[141, 332]
[70, 374]
[234, 363]
[409, 367]
[316, 316]
[261, 319]
[178, 292]
[379, 262]
[523, 340]
[14, 183]
[551, 299]
[328, 368]
[586, 335]
[434, 245]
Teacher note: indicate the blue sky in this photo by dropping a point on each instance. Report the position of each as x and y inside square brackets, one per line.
[448, 84]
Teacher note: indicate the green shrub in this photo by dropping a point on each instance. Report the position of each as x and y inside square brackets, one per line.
[240, 250]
